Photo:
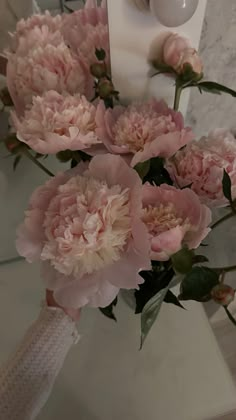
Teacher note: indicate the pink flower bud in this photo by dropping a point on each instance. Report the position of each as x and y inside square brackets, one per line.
[223, 294]
[177, 52]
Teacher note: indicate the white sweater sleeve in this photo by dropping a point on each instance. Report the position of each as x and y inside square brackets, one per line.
[26, 380]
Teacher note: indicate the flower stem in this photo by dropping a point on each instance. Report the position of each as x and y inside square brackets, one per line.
[223, 219]
[178, 91]
[230, 316]
[226, 269]
[36, 162]
[11, 260]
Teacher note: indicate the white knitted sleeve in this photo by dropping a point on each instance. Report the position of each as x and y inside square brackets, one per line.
[27, 378]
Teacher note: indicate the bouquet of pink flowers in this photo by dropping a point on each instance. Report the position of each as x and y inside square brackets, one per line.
[133, 209]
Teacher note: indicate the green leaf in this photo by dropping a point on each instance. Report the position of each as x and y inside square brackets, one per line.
[161, 68]
[157, 174]
[154, 282]
[64, 156]
[227, 186]
[171, 298]
[150, 313]
[100, 54]
[108, 311]
[143, 168]
[16, 161]
[197, 259]
[216, 88]
[183, 260]
[197, 284]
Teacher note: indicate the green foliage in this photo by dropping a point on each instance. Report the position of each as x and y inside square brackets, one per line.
[157, 174]
[198, 284]
[183, 260]
[100, 54]
[154, 282]
[227, 187]
[143, 168]
[108, 311]
[171, 298]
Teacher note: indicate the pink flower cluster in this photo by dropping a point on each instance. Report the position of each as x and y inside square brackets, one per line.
[201, 163]
[95, 228]
[55, 53]
[85, 225]
[57, 122]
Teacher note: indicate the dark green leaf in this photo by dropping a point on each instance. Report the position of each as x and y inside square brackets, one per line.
[161, 68]
[64, 156]
[143, 168]
[183, 260]
[227, 186]
[197, 259]
[171, 298]
[150, 313]
[216, 88]
[108, 311]
[197, 284]
[6, 97]
[157, 174]
[154, 282]
[100, 54]
[16, 161]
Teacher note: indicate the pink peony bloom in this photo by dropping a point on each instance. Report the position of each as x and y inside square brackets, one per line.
[142, 131]
[201, 165]
[174, 218]
[85, 226]
[87, 30]
[175, 51]
[56, 122]
[25, 29]
[42, 69]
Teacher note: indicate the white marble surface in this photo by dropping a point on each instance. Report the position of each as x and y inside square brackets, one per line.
[218, 50]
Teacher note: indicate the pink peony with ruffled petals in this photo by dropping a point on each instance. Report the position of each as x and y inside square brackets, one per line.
[201, 165]
[85, 226]
[57, 122]
[87, 30]
[142, 131]
[36, 24]
[45, 68]
[174, 218]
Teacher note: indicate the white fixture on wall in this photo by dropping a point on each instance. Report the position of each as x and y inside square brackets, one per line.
[132, 29]
[171, 13]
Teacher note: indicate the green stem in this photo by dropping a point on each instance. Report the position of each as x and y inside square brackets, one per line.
[226, 269]
[11, 260]
[178, 91]
[223, 219]
[36, 162]
[230, 316]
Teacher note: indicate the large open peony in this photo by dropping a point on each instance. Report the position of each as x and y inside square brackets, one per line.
[142, 131]
[45, 68]
[57, 122]
[174, 218]
[201, 165]
[38, 22]
[85, 226]
[87, 30]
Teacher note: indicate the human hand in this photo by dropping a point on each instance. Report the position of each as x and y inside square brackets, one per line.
[74, 314]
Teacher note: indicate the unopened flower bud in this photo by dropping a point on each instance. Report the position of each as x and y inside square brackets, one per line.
[223, 294]
[105, 88]
[98, 70]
